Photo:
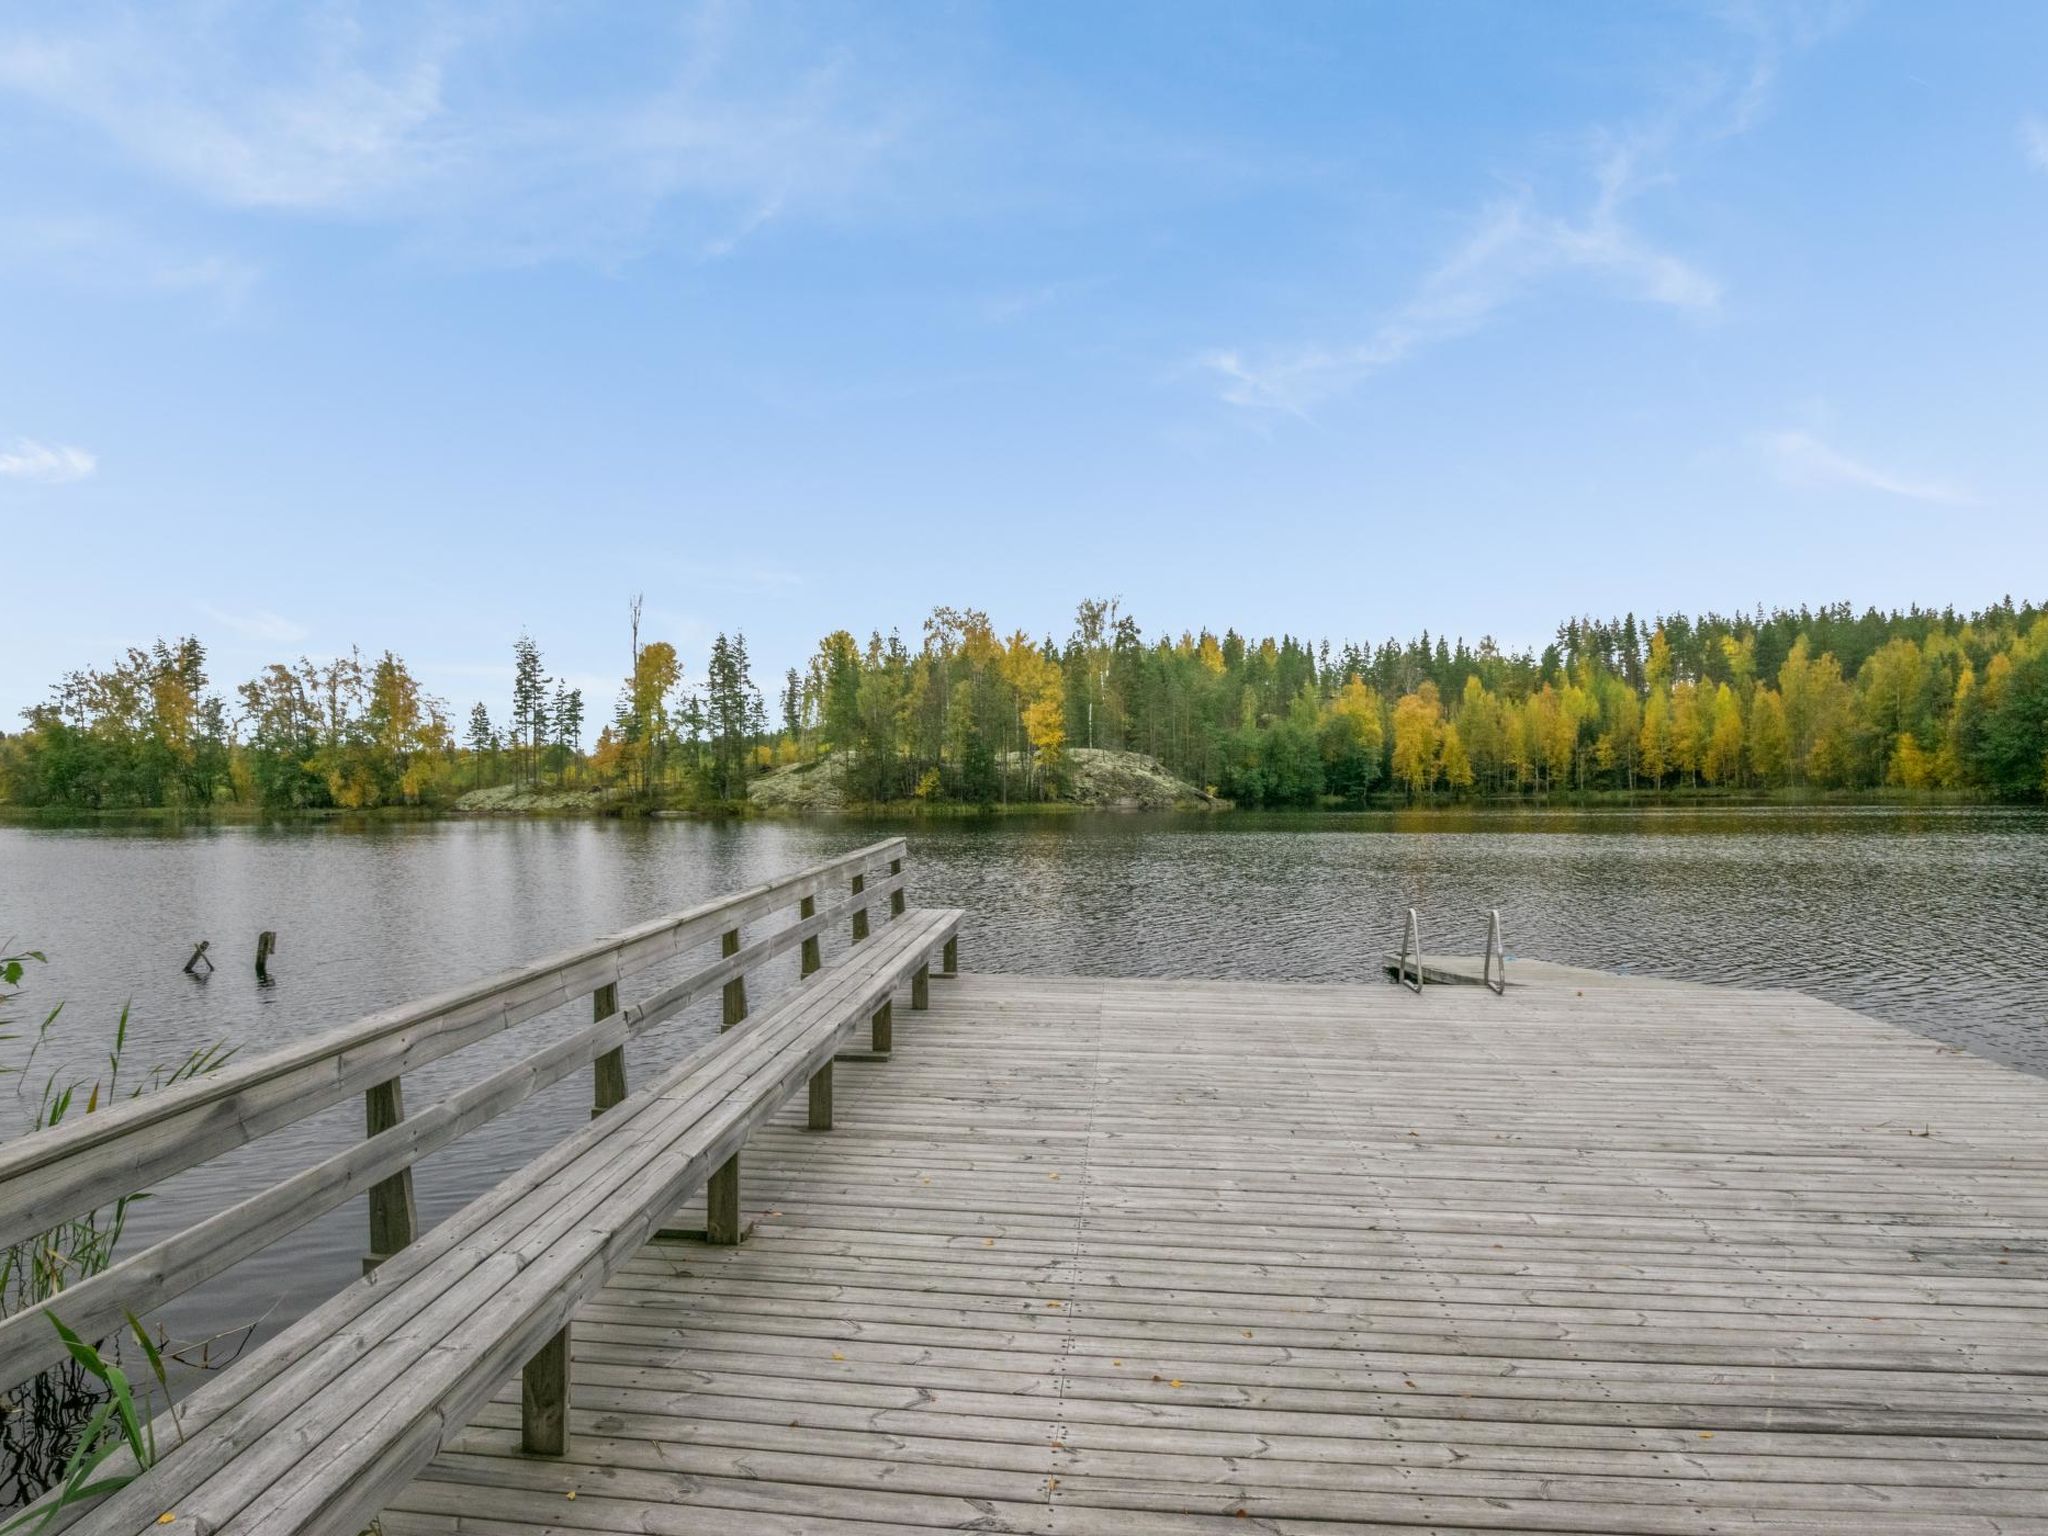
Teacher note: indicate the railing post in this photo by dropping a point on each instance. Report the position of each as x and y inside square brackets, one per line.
[883, 1019]
[722, 1204]
[821, 1099]
[609, 1078]
[921, 989]
[896, 896]
[544, 1399]
[949, 958]
[860, 918]
[806, 908]
[736, 989]
[393, 1216]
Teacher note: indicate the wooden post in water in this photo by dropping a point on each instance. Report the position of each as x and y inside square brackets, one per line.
[266, 946]
[393, 1216]
[896, 896]
[722, 1204]
[884, 1017]
[609, 1084]
[544, 1399]
[860, 918]
[808, 907]
[736, 989]
[821, 1099]
[199, 954]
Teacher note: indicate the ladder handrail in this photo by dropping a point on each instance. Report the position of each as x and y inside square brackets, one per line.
[1493, 949]
[1411, 933]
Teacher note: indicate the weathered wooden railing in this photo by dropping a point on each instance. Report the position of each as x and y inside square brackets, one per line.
[92, 1160]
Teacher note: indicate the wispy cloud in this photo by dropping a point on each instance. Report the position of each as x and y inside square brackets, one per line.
[1802, 459]
[1514, 246]
[260, 625]
[89, 251]
[419, 119]
[2034, 137]
[46, 463]
[1005, 308]
[1520, 242]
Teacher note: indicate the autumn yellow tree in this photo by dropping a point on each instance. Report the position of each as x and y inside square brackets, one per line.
[647, 727]
[1653, 741]
[1482, 727]
[1418, 726]
[1352, 738]
[1769, 745]
[1688, 730]
[1721, 761]
[1452, 758]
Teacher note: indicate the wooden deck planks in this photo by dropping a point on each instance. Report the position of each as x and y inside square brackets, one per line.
[1135, 1256]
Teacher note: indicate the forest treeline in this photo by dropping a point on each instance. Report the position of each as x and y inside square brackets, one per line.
[1825, 698]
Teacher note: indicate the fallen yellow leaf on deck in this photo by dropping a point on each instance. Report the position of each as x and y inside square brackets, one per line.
[1175, 1382]
[837, 1356]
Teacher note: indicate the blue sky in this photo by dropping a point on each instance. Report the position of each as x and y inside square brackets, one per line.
[412, 326]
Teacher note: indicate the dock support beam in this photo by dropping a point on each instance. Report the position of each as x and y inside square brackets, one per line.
[821, 1099]
[896, 896]
[860, 918]
[393, 1216]
[544, 1399]
[884, 1017]
[921, 989]
[949, 958]
[722, 1204]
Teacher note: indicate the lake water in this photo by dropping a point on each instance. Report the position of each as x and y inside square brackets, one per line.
[1934, 919]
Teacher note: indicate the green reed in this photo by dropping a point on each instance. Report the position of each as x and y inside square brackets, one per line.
[62, 1425]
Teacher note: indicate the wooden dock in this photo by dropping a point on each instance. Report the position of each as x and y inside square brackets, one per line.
[1118, 1256]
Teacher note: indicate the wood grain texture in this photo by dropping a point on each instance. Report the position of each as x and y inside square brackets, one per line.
[314, 1430]
[1135, 1256]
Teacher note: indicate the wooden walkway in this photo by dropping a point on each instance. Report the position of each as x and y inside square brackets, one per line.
[1140, 1256]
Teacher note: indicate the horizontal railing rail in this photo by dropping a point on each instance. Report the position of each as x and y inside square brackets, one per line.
[51, 1176]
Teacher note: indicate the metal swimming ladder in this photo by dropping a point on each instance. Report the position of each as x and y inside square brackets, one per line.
[1411, 940]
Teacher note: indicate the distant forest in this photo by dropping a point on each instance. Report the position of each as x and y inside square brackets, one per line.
[1823, 698]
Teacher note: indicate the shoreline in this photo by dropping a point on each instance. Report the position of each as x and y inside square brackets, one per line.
[919, 810]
